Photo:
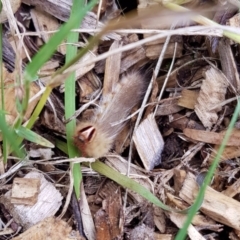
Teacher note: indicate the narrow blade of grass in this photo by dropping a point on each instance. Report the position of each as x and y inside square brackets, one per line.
[69, 98]
[183, 231]
[2, 92]
[33, 137]
[125, 181]
[44, 54]
[10, 136]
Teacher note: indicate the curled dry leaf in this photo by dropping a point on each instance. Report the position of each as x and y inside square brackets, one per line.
[212, 93]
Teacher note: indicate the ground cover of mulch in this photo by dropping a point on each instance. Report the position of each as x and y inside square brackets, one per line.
[165, 105]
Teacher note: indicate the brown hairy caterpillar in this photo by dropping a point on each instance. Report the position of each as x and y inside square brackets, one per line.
[95, 137]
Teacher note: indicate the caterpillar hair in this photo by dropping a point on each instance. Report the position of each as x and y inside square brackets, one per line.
[95, 137]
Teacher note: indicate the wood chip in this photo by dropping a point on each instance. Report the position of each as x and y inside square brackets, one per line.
[228, 64]
[212, 93]
[216, 205]
[149, 142]
[25, 191]
[213, 137]
[109, 219]
[179, 177]
[154, 51]
[179, 220]
[170, 106]
[102, 228]
[61, 10]
[51, 228]
[181, 122]
[158, 236]
[229, 152]
[112, 69]
[188, 98]
[128, 58]
[159, 219]
[233, 189]
[235, 20]
[48, 202]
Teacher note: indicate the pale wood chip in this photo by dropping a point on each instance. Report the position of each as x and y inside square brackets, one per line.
[228, 64]
[112, 69]
[212, 92]
[188, 98]
[149, 142]
[87, 219]
[48, 202]
[179, 220]
[25, 191]
[233, 189]
[215, 205]
[229, 152]
[50, 228]
[154, 51]
[213, 137]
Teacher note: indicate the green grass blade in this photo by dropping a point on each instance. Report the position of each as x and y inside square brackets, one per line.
[33, 137]
[61, 145]
[127, 182]
[5, 152]
[10, 136]
[39, 107]
[31, 69]
[44, 54]
[69, 97]
[124, 181]
[183, 232]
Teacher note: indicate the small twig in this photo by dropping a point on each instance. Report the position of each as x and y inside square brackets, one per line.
[68, 198]
[82, 108]
[167, 77]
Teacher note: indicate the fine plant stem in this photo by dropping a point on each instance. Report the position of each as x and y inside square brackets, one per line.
[2, 93]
